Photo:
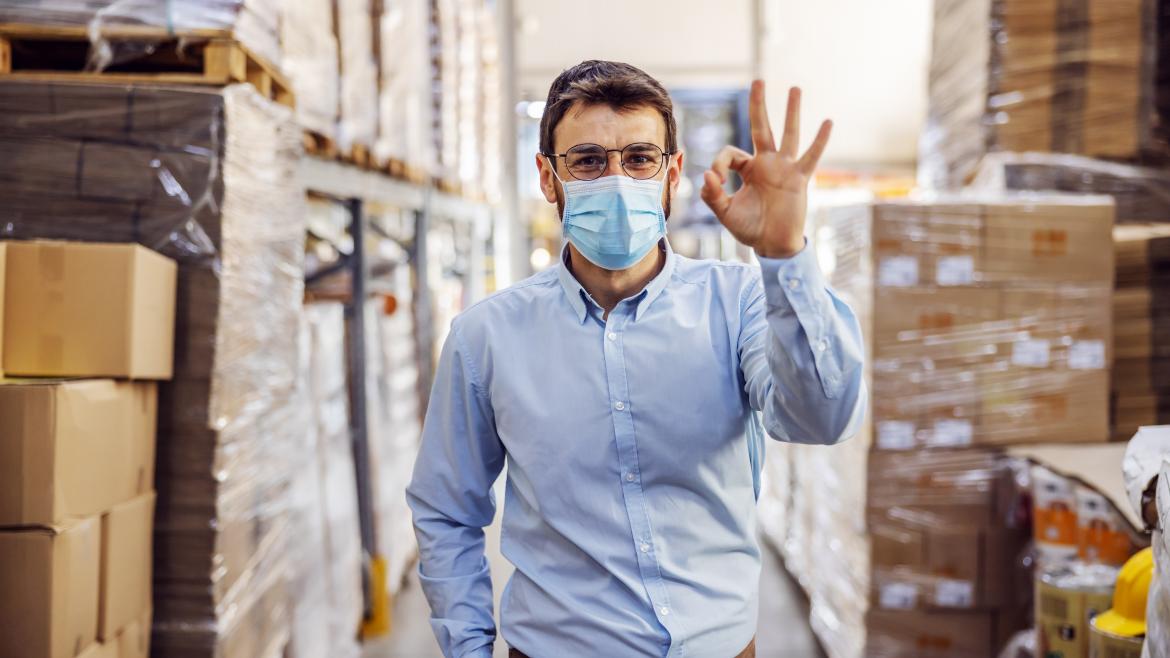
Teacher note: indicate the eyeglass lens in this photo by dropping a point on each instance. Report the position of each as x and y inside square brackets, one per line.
[639, 160]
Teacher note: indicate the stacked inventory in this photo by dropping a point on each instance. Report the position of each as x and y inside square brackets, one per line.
[1036, 75]
[988, 322]
[326, 576]
[1141, 312]
[464, 53]
[209, 178]
[358, 111]
[95, 323]
[311, 62]
[252, 22]
[404, 75]
[394, 415]
[1141, 244]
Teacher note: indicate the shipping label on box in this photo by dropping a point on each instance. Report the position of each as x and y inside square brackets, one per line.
[125, 566]
[89, 310]
[73, 448]
[49, 589]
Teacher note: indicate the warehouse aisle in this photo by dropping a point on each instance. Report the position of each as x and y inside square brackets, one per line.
[783, 632]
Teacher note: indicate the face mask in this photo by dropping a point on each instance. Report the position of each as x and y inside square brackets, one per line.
[614, 221]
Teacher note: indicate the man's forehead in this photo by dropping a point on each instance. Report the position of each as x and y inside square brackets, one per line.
[601, 124]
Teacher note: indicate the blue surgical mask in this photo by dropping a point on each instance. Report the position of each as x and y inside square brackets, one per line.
[614, 221]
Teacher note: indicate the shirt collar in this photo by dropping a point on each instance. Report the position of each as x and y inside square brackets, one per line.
[579, 297]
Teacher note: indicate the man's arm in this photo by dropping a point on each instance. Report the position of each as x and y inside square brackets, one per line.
[451, 497]
[801, 353]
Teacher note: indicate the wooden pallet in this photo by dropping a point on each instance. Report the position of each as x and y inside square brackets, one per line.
[199, 57]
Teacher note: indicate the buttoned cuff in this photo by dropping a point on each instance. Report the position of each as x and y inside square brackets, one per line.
[795, 286]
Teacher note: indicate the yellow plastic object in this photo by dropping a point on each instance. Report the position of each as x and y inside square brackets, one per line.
[1127, 617]
[378, 623]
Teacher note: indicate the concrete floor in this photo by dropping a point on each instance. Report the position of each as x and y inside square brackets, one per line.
[783, 628]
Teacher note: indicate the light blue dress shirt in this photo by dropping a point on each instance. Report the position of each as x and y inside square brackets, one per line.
[633, 449]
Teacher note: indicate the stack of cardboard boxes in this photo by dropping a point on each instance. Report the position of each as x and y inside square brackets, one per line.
[207, 177]
[1037, 75]
[1139, 386]
[94, 325]
[989, 325]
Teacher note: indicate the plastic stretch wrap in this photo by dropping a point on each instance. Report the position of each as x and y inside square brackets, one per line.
[987, 319]
[359, 74]
[209, 179]
[405, 130]
[1140, 379]
[1069, 76]
[392, 381]
[252, 22]
[326, 585]
[311, 63]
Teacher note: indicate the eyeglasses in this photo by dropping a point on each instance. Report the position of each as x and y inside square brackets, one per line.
[589, 161]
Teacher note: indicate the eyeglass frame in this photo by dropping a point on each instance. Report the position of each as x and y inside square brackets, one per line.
[621, 161]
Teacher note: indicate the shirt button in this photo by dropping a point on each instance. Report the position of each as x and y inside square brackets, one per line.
[619, 405]
[629, 477]
[645, 547]
[793, 284]
[611, 335]
[823, 344]
[664, 610]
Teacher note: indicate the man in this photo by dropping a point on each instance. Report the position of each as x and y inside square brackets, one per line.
[621, 389]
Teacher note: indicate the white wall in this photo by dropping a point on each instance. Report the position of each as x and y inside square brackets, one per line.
[683, 43]
[861, 63]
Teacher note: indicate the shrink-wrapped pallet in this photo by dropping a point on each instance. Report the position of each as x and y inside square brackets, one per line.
[988, 325]
[311, 63]
[209, 178]
[405, 103]
[358, 124]
[1084, 77]
[254, 23]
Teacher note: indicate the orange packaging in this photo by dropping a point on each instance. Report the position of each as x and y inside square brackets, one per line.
[1055, 516]
[1101, 532]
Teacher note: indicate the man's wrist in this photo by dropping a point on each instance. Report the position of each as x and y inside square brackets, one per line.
[780, 251]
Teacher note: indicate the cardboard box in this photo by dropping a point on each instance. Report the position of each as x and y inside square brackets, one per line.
[1023, 405]
[134, 639]
[930, 634]
[49, 589]
[101, 650]
[1065, 241]
[73, 448]
[927, 244]
[89, 310]
[3, 253]
[126, 565]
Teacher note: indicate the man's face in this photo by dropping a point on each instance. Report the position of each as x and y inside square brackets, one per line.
[601, 124]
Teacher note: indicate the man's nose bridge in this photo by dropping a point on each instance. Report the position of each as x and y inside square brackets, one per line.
[613, 164]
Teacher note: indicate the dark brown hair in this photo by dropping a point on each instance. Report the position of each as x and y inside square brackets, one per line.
[598, 82]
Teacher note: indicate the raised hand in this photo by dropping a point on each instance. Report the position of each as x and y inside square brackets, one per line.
[767, 212]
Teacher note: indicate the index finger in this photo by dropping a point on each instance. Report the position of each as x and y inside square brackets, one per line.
[762, 139]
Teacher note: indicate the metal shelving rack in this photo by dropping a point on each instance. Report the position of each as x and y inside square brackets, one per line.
[354, 187]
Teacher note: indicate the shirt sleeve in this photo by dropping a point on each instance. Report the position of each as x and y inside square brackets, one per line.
[450, 496]
[801, 353]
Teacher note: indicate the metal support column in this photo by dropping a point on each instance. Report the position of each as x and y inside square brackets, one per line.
[377, 612]
[424, 316]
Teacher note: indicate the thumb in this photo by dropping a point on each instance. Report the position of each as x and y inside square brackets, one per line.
[714, 195]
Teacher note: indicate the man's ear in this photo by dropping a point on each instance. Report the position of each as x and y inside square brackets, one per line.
[674, 171]
[548, 182]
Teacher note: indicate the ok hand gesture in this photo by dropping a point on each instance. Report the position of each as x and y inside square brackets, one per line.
[767, 213]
